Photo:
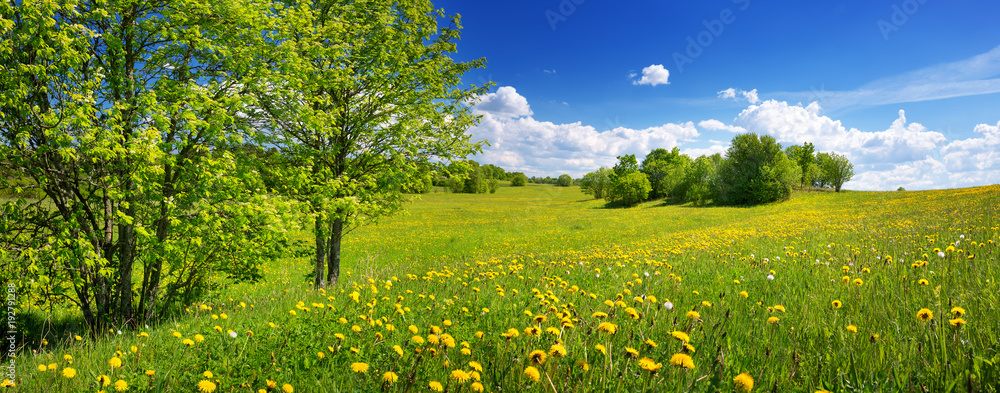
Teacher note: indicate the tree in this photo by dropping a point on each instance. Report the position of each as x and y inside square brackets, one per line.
[564, 181]
[358, 93]
[702, 179]
[518, 179]
[129, 119]
[597, 183]
[666, 172]
[756, 171]
[804, 158]
[630, 189]
[837, 170]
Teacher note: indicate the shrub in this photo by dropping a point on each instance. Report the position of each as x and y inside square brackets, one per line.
[756, 171]
[519, 179]
[564, 181]
[630, 189]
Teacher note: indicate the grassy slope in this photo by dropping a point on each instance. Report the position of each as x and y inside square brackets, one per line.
[467, 250]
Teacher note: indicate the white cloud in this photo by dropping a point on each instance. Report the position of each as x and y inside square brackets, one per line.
[975, 154]
[715, 125]
[653, 75]
[796, 124]
[504, 103]
[736, 95]
[545, 148]
[968, 77]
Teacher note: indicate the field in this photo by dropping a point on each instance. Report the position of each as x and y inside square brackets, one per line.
[541, 289]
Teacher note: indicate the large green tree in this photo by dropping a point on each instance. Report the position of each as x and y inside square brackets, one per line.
[357, 93]
[597, 183]
[128, 119]
[756, 171]
[837, 170]
[667, 171]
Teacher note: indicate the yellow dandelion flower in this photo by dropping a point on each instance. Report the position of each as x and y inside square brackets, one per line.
[692, 315]
[417, 340]
[537, 356]
[460, 376]
[189, 342]
[958, 311]
[476, 366]
[104, 380]
[649, 364]
[773, 320]
[115, 362]
[852, 328]
[651, 343]
[680, 336]
[744, 294]
[390, 377]
[121, 385]
[923, 281]
[557, 351]
[957, 322]
[477, 387]
[602, 349]
[150, 373]
[681, 360]
[69, 372]
[858, 282]
[206, 386]
[287, 388]
[836, 304]
[607, 327]
[532, 373]
[359, 367]
[743, 382]
[925, 314]
[208, 374]
[436, 386]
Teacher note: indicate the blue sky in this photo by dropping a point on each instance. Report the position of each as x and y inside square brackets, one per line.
[909, 90]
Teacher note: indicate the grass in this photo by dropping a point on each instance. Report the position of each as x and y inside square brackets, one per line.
[562, 271]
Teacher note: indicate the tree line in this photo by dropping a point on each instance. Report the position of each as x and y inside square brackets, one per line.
[755, 170]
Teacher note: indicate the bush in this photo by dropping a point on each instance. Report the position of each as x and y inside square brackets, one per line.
[756, 171]
[564, 181]
[519, 179]
[630, 189]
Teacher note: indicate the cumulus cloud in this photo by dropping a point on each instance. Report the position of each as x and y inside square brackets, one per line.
[796, 124]
[738, 95]
[653, 75]
[715, 125]
[975, 154]
[505, 103]
[519, 143]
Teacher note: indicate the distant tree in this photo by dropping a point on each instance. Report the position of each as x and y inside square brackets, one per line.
[564, 181]
[597, 183]
[837, 170]
[518, 179]
[820, 179]
[628, 185]
[756, 171]
[630, 189]
[667, 172]
[701, 179]
[803, 157]
[900, 189]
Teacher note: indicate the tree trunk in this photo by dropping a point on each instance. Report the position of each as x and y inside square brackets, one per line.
[126, 258]
[333, 265]
[320, 252]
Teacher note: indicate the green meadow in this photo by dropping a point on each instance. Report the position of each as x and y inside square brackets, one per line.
[544, 289]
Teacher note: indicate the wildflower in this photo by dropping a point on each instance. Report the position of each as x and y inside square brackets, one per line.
[692, 315]
[668, 305]
[557, 351]
[42, 368]
[115, 362]
[359, 367]
[417, 340]
[511, 333]
[649, 364]
[206, 386]
[852, 328]
[744, 294]
[631, 352]
[957, 322]
[69, 372]
[436, 386]
[923, 281]
[188, 342]
[287, 388]
[651, 343]
[688, 348]
[681, 336]
[460, 376]
[958, 311]
[743, 382]
[925, 314]
[477, 387]
[433, 339]
[773, 320]
[858, 282]
[121, 385]
[607, 327]
[836, 304]
[602, 349]
[681, 360]
[150, 373]
[537, 356]
[532, 373]
[104, 380]
[208, 374]
[199, 338]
